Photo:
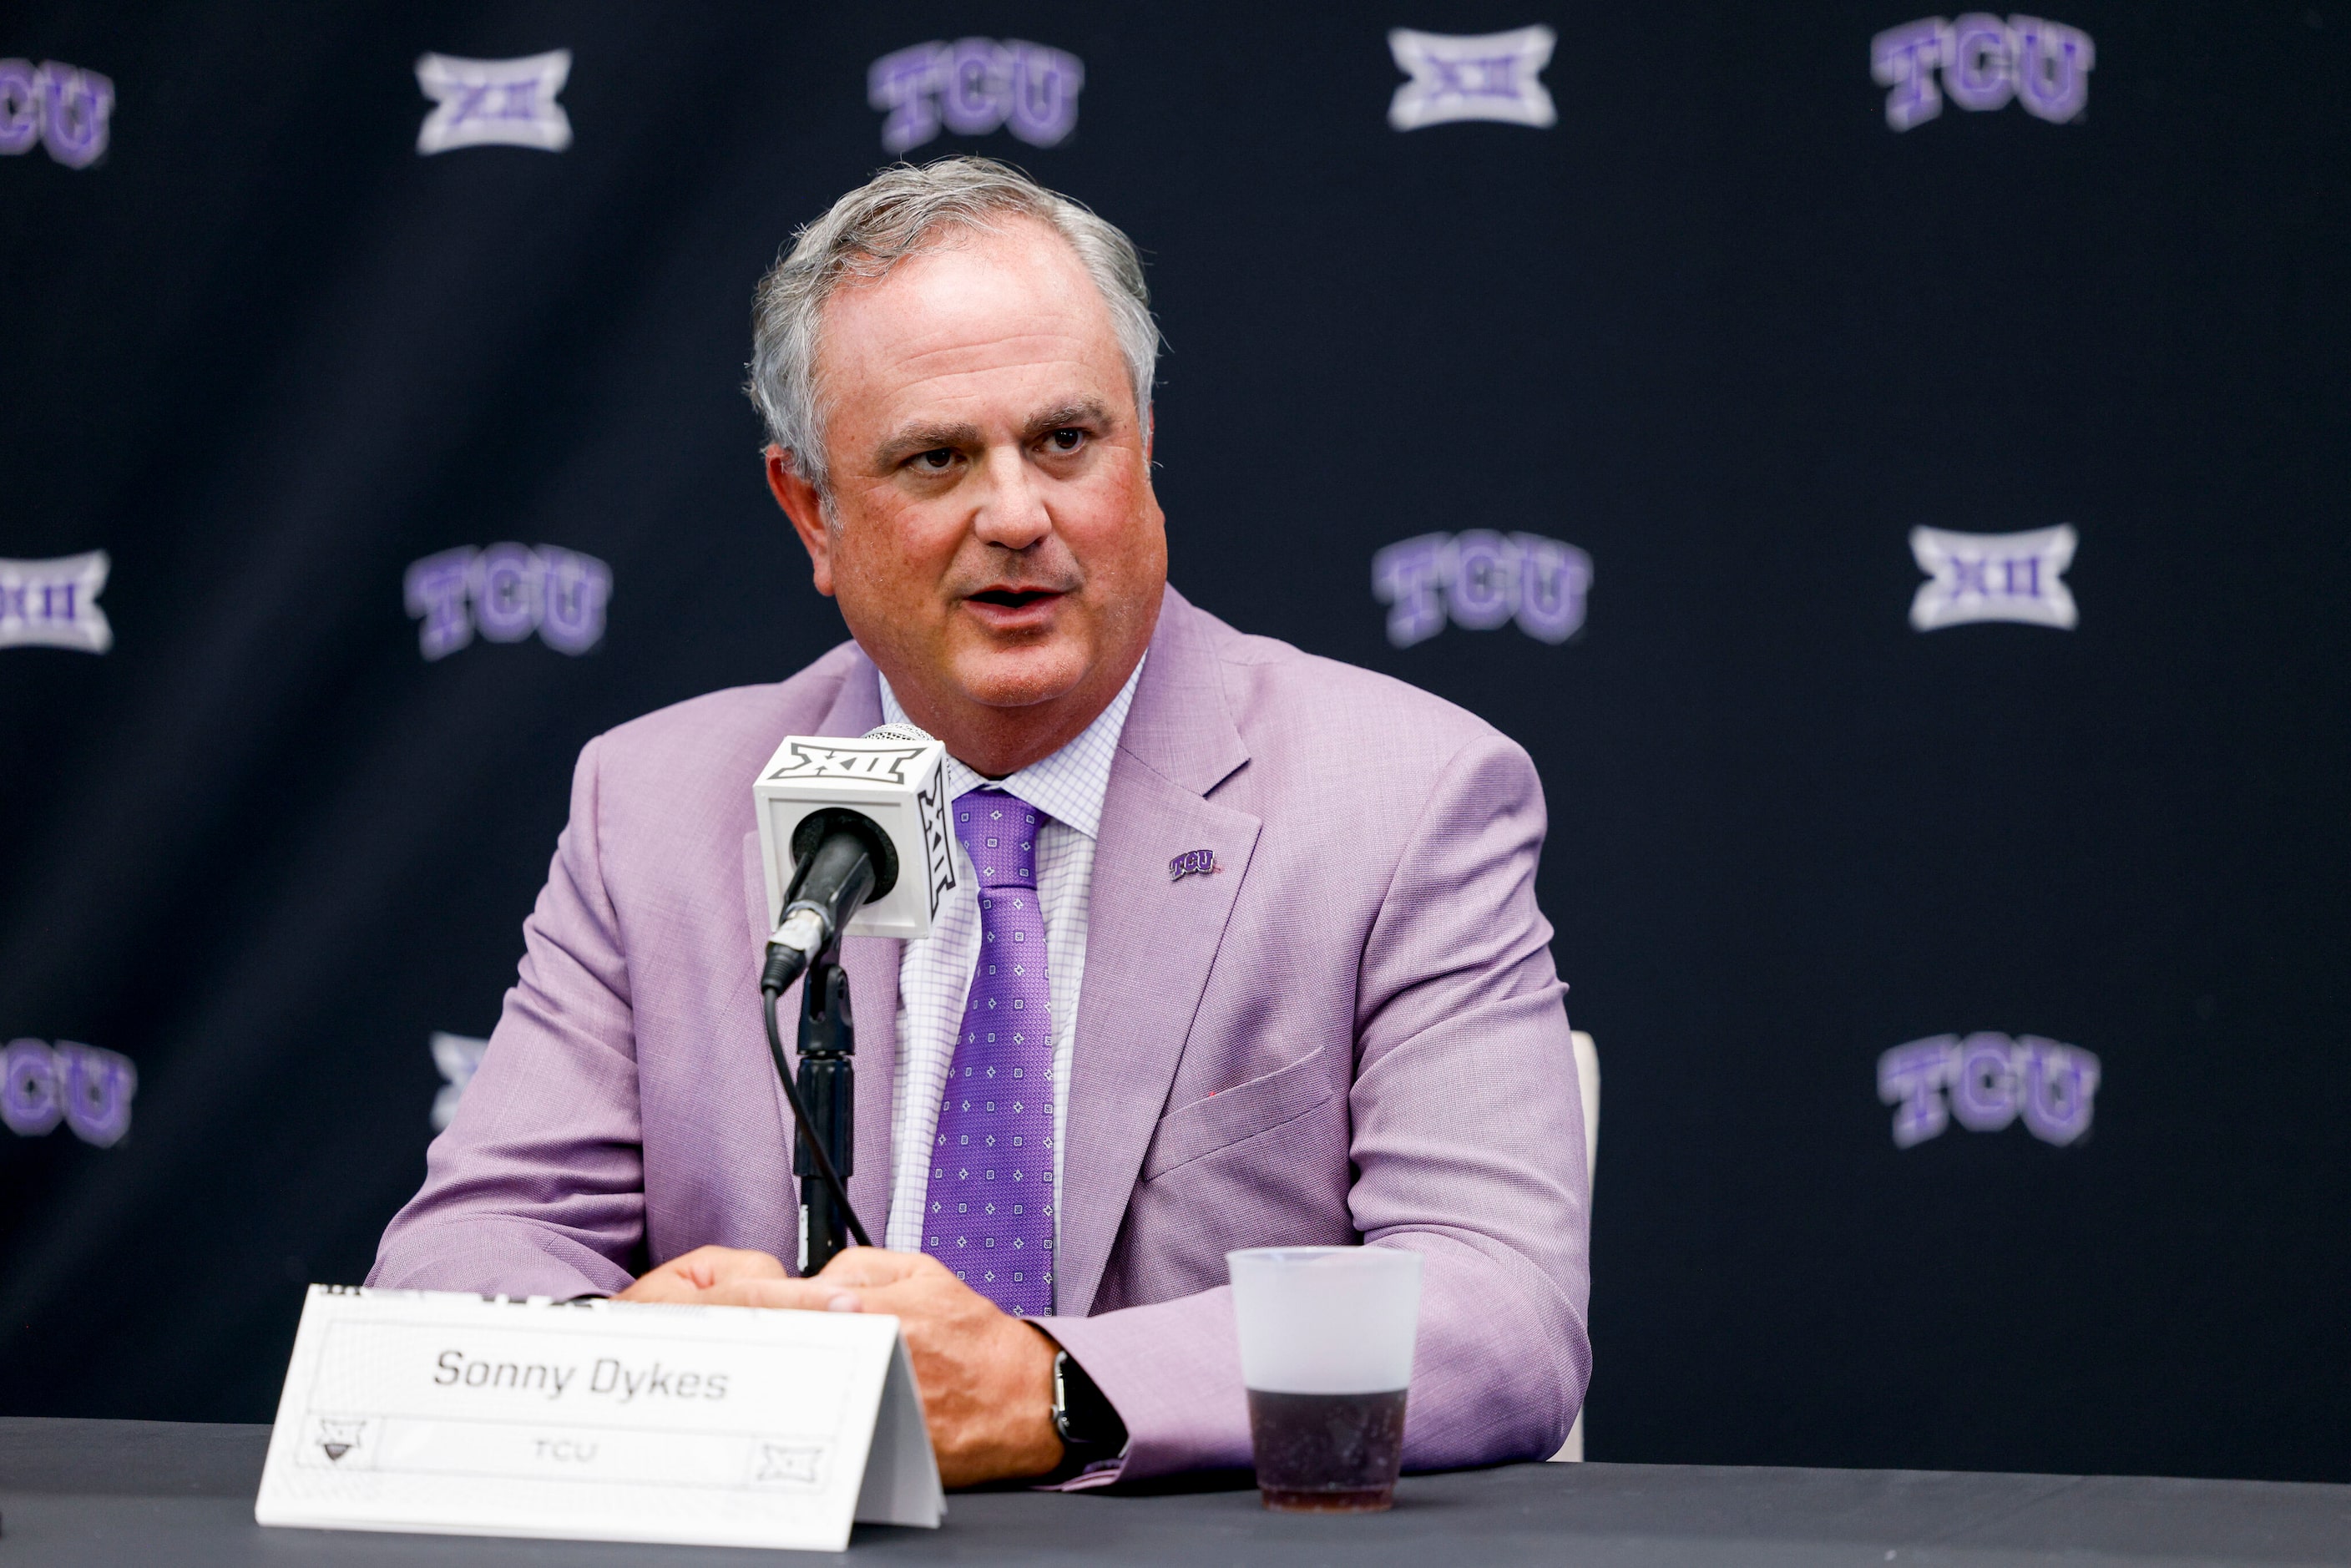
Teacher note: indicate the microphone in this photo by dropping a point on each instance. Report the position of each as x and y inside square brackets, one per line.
[838, 818]
[840, 823]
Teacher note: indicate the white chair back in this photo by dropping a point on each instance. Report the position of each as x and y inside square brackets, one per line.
[1587, 1079]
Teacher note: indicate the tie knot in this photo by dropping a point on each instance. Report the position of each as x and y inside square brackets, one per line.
[999, 830]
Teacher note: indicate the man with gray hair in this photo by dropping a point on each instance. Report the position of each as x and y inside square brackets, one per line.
[1279, 923]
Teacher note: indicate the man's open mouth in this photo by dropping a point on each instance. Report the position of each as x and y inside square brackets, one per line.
[1014, 598]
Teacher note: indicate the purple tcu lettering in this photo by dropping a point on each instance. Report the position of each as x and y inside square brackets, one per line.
[1992, 1081]
[1554, 579]
[575, 590]
[1985, 63]
[976, 85]
[88, 1090]
[904, 84]
[973, 87]
[1409, 577]
[68, 110]
[76, 107]
[435, 591]
[1912, 1078]
[1904, 58]
[2059, 1081]
[505, 583]
[1983, 1090]
[505, 592]
[20, 106]
[1485, 579]
[1045, 83]
[1482, 579]
[2053, 66]
[32, 1100]
[99, 1087]
[1192, 862]
[1979, 62]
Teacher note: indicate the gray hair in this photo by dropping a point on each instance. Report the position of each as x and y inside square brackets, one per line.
[898, 214]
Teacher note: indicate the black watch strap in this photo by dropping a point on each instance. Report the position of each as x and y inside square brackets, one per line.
[1088, 1423]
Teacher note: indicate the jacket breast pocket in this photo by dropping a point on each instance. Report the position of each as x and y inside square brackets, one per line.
[1233, 1115]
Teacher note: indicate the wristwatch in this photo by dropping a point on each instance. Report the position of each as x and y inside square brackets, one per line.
[1089, 1424]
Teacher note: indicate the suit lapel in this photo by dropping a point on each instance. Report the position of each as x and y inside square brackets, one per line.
[872, 963]
[1150, 941]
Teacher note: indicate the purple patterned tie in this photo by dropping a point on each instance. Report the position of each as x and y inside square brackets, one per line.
[991, 1197]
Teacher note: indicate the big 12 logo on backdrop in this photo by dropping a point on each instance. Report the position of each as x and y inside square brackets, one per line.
[494, 103]
[1489, 75]
[1993, 577]
[54, 603]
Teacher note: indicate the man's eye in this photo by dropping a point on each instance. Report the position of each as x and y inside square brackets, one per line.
[937, 460]
[1066, 440]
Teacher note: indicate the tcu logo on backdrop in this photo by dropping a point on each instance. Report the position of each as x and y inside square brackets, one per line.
[974, 85]
[87, 1089]
[66, 109]
[1993, 577]
[1991, 1081]
[1985, 62]
[1494, 76]
[507, 103]
[54, 603]
[1482, 579]
[513, 591]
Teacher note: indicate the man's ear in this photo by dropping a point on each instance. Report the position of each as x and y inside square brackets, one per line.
[805, 507]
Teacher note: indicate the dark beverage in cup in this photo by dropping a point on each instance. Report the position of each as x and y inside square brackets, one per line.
[1331, 1453]
[1326, 1342]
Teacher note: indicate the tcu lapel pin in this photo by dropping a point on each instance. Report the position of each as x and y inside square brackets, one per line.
[1192, 862]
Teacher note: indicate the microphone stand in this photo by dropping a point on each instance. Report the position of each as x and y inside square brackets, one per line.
[828, 1094]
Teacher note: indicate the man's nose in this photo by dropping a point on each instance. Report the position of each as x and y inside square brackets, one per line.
[1012, 506]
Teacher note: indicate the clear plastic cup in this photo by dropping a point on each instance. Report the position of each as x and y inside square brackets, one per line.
[1326, 1354]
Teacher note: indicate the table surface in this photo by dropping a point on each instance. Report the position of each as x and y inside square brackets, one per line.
[151, 1493]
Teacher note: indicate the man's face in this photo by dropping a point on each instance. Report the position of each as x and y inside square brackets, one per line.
[994, 541]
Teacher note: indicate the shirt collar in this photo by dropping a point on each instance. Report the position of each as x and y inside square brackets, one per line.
[1067, 786]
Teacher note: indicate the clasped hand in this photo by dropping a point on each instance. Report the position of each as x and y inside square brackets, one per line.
[987, 1377]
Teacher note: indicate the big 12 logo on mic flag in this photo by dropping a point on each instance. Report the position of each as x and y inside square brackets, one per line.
[897, 783]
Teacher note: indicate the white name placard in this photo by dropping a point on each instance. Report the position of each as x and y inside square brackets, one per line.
[415, 1410]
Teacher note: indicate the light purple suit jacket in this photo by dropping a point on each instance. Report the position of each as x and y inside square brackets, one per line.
[1351, 1031]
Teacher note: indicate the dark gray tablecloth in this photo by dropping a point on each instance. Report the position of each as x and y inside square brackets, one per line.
[160, 1495]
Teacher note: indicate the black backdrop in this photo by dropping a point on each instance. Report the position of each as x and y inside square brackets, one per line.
[1719, 327]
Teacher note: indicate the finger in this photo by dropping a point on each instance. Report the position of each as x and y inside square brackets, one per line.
[663, 1284]
[872, 1266]
[722, 1265]
[791, 1295]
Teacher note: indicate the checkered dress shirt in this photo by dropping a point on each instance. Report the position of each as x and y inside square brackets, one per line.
[935, 975]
